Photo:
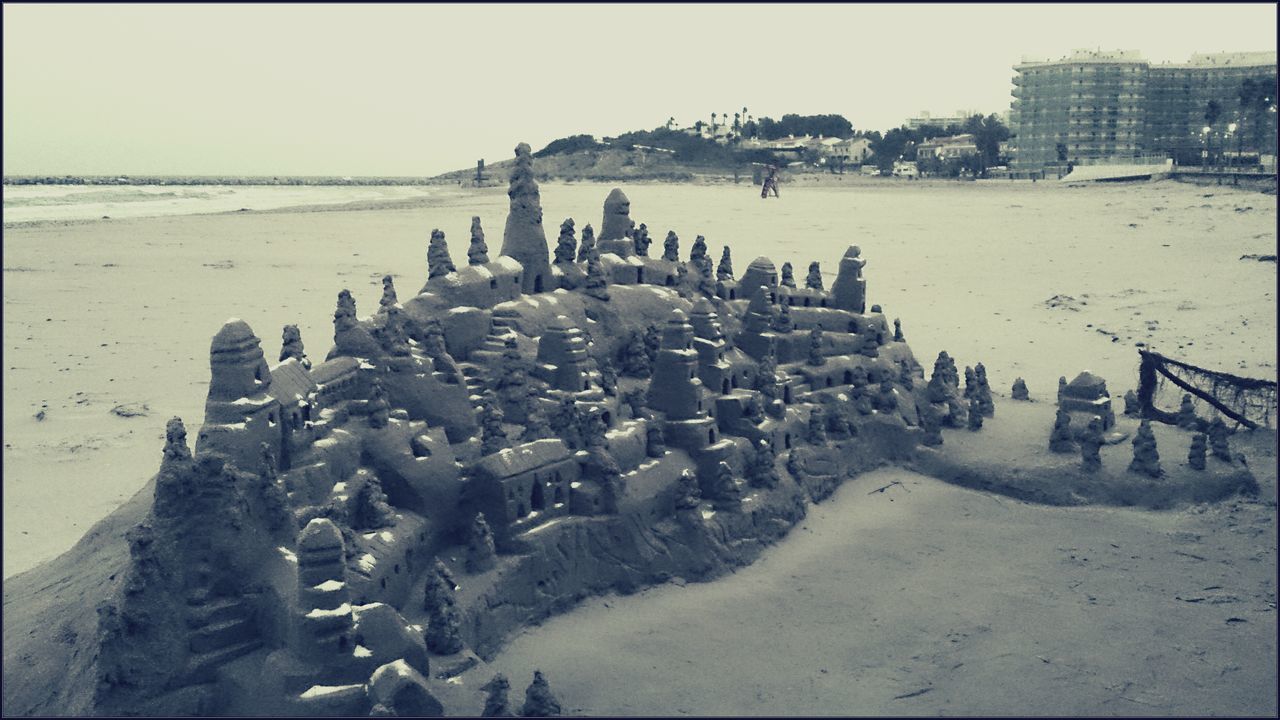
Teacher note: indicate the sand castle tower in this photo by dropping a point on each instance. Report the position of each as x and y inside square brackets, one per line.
[562, 357]
[617, 221]
[757, 322]
[761, 271]
[524, 238]
[236, 359]
[676, 390]
[849, 292]
[323, 621]
[709, 342]
[240, 415]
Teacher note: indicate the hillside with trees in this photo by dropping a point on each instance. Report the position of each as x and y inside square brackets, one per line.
[732, 148]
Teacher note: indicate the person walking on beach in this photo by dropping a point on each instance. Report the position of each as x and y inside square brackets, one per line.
[770, 182]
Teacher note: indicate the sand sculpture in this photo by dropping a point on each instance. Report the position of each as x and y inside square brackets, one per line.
[348, 533]
[1218, 440]
[1196, 454]
[1019, 391]
[1146, 459]
[1091, 446]
[1061, 439]
[1187, 414]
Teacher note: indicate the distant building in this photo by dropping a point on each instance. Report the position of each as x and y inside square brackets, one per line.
[947, 148]
[1096, 104]
[942, 121]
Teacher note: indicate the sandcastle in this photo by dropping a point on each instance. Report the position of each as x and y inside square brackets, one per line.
[510, 402]
[356, 529]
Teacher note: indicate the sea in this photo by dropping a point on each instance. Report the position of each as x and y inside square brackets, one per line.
[59, 203]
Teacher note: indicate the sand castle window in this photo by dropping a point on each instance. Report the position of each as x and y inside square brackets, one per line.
[787, 440]
[537, 283]
[711, 436]
[724, 388]
[733, 380]
[732, 295]
[822, 302]
[786, 393]
[383, 584]
[848, 377]
[396, 569]
[829, 383]
[521, 511]
[559, 496]
[671, 280]
[493, 283]
[639, 275]
[537, 501]
[690, 374]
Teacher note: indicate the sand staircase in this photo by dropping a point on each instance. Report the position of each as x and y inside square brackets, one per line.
[221, 630]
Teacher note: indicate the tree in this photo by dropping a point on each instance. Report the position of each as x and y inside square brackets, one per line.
[496, 703]
[566, 244]
[1212, 111]
[438, 261]
[371, 510]
[493, 437]
[478, 252]
[480, 551]
[566, 145]
[813, 280]
[671, 247]
[587, 248]
[688, 494]
[388, 293]
[538, 700]
[291, 346]
[724, 271]
[816, 358]
[442, 634]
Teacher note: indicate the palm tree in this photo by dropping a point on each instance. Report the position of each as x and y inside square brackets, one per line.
[1212, 111]
[1256, 102]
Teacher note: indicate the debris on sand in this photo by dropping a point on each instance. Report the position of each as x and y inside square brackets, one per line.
[1065, 301]
[1259, 258]
[128, 410]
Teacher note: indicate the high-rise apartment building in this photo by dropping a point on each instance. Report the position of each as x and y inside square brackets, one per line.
[1095, 104]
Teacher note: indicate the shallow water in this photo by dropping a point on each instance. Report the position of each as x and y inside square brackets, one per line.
[55, 203]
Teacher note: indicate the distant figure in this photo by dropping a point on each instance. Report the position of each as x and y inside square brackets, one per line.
[770, 182]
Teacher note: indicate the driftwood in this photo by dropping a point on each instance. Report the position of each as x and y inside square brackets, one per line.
[886, 487]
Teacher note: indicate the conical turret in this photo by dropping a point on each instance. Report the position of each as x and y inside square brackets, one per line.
[524, 238]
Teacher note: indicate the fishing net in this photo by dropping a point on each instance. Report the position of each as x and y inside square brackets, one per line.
[1246, 401]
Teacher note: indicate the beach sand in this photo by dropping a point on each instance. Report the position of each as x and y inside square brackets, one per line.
[929, 599]
[120, 312]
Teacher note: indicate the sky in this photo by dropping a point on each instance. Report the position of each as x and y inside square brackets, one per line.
[414, 90]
